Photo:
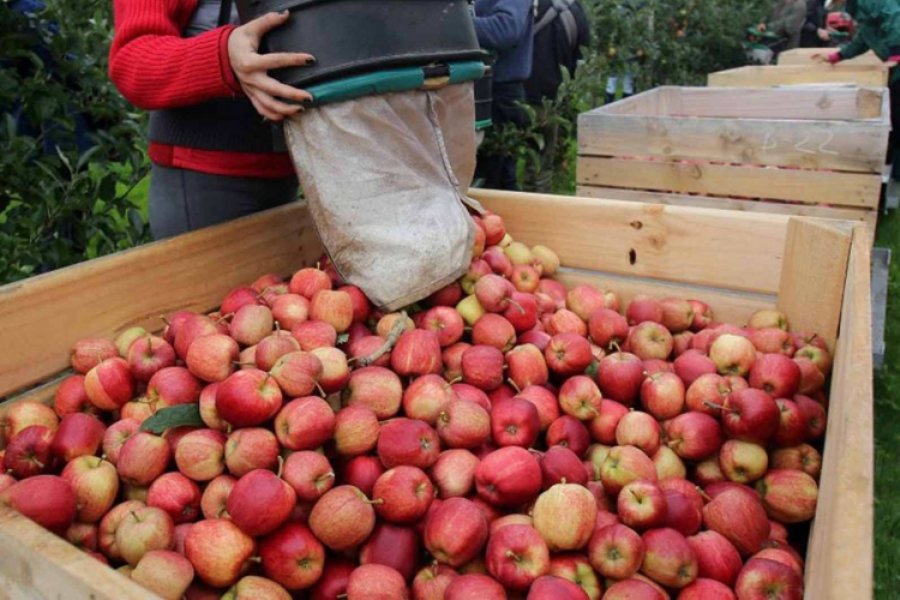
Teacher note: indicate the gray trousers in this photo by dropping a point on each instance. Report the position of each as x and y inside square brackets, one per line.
[183, 200]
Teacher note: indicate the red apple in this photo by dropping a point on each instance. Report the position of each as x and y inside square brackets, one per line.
[314, 334]
[643, 308]
[568, 354]
[164, 572]
[376, 581]
[408, 442]
[576, 569]
[569, 432]
[342, 518]
[814, 414]
[248, 398]
[177, 495]
[109, 384]
[393, 546]
[788, 495]
[561, 465]
[292, 556]
[739, 518]
[678, 314]
[717, 558]
[333, 581]
[446, 323]
[214, 501]
[668, 558]
[514, 422]
[219, 551]
[200, 454]
[446, 296]
[606, 326]
[707, 394]
[775, 374]
[509, 476]
[116, 435]
[682, 513]
[702, 315]
[142, 530]
[454, 473]
[273, 347]
[416, 352]
[693, 364]
[173, 385]
[47, 500]
[464, 424]
[792, 428]
[544, 401]
[309, 474]
[143, 458]
[79, 434]
[623, 465]
[431, 582]
[565, 516]
[620, 376]
[642, 505]
[289, 310]
[250, 448]
[750, 415]
[304, 423]
[650, 340]
[402, 494]
[376, 388]
[772, 340]
[522, 311]
[455, 532]
[516, 555]
[482, 367]
[95, 484]
[693, 435]
[308, 281]
[732, 354]
[763, 578]
[633, 589]
[663, 395]
[616, 551]
[212, 357]
[706, 589]
[147, 355]
[818, 355]
[526, 366]
[332, 307]
[362, 472]
[802, 457]
[70, 397]
[356, 430]
[638, 429]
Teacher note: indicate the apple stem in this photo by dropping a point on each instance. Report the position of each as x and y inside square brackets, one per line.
[513, 385]
[455, 380]
[517, 305]
[615, 346]
[709, 404]
[320, 390]
[376, 501]
[255, 559]
[341, 596]
[280, 466]
[703, 494]
[326, 477]
[394, 335]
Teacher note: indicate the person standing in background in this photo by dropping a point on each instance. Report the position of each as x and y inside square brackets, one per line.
[786, 21]
[877, 29]
[215, 154]
[814, 34]
[505, 27]
[561, 30]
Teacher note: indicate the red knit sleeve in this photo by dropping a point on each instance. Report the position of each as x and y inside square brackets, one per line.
[154, 67]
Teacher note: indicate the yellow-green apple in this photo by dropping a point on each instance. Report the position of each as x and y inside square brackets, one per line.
[95, 484]
[638, 429]
[642, 505]
[547, 258]
[248, 398]
[356, 430]
[482, 367]
[314, 334]
[565, 321]
[706, 589]
[732, 354]
[214, 501]
[333, 581]
[516, 555]
[620, 376]
[693, 435]
[668, 558]
[788, 495]
[416, 352]
[743, 462]
[616, 551]
[308, 281]
[408, 442]
[763, 578]
[219, 551]
[251, 448]
[717, 558]
[633, 589]
[292, 556]
[802, 457]
[518, 253]
[362, 472]
[142, 458]
[142, 530]
[768, 317]
[165, 573]
[377, 388]
[200, 455]
[304, 423]
[109, 524]
[392, 546]
[643, 308]
[623, 465]
[47, 500]
[560, 465]
[565, 515]
[678, 314]
[707, 394]
[595, 455]
[509, 476]
[481, 267]
[568, 354]
[740, 518]
[79, 434]
[569, 432]
[514, 422]
[606, 326]
[342, 518]
[289, 310]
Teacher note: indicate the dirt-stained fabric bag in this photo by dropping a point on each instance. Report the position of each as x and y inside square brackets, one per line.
[385, 178]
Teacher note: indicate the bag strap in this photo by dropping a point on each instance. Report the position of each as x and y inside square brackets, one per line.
[225, 12]
[559, 8]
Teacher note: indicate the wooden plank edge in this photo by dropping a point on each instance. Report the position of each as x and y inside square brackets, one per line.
[35, 563]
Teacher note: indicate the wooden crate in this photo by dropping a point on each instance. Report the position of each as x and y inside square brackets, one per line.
[804, 56]
[814, 270]
[867, 75]
[792, 150]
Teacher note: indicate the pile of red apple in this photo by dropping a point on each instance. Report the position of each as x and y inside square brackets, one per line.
[506, 438]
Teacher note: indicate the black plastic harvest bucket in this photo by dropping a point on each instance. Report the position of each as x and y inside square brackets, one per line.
[350, 37]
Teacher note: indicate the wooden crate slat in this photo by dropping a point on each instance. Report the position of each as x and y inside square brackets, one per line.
[839, 562]
[839, 145]
[765, 76]
[43, 316]
[815, 187]
[804, 56]
[782, 208]
[804, 103]
[811, 294]
[34, 563]
[703, 247]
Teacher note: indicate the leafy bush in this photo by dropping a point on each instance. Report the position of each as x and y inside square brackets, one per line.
[73, 148]
[660, 42]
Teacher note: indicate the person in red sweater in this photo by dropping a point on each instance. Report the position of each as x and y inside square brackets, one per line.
[216, 151]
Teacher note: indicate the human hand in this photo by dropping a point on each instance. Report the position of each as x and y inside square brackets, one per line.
[251, 68]
[823, 34]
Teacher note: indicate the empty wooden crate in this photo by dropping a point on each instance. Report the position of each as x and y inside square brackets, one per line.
[815, 271]
[814, 73]
[807, 56]
[798, 150]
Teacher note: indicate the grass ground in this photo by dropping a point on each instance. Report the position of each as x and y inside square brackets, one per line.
[887, 431]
